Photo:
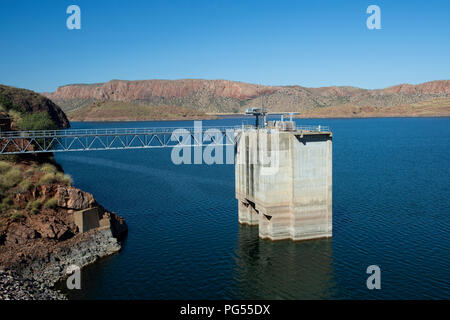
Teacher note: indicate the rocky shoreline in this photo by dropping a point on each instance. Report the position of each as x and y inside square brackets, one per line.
[46, 225]
[38, 249]
[33, 277]
[13, 287]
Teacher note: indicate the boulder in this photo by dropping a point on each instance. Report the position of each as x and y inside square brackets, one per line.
[73, 198]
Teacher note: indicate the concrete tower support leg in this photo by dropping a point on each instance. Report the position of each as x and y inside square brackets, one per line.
[295, 200]
[247, 213]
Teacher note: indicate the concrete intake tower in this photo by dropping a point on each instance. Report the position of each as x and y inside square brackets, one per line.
[284, 180]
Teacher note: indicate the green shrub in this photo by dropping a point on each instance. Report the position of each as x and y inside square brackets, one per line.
[64, 178]
[5, 166]
[48, 168]
[10, 178]
[51, 203]
[12, 158]
[5, 205]
[29, 172]
[47, 179]
[5, 103]
[25, 185]
[68, 179]
[36, 121]
[14, 115]
[34, 206]
[16, 216]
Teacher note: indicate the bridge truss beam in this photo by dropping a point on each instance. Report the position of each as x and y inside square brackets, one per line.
[23, 142]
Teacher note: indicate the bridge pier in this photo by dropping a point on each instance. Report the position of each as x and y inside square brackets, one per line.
[284, 182]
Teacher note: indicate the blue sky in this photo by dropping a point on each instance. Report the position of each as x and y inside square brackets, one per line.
[308, 43]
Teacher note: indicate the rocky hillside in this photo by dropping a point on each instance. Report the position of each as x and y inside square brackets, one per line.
[131, 111]
[39, 237]
[42, 216]
[39, 233]
[222, 96]
[18, 102]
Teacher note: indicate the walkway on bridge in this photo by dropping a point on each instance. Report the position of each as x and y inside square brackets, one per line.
[23, 142]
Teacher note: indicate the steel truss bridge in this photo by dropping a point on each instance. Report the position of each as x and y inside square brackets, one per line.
[23, 142]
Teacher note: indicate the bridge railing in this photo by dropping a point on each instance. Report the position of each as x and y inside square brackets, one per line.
[16, 142]
[318, 128]
[130, 131]
[107, 131]
[313, 128]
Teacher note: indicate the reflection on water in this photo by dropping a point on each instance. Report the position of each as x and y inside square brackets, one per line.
[282, 269]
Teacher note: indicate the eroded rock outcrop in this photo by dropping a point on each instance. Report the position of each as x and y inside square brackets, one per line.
[58, 223]
[73, 198]
[39, 238]
[232, 96]
[120, 90]
[39, 246]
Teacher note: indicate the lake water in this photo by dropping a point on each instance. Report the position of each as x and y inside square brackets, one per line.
[391, 208]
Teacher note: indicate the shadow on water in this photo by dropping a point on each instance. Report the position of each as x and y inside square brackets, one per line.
[282, 269]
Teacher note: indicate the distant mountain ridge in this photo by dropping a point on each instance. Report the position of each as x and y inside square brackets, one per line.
[225, 96]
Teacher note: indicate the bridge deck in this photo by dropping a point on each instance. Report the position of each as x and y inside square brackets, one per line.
[20, 142]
